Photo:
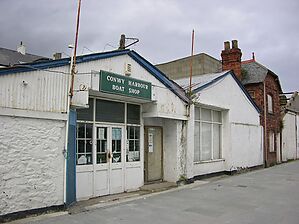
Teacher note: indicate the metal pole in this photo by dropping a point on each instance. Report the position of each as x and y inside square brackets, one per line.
[73, 71]
[191, 63]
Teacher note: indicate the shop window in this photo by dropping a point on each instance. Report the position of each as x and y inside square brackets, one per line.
[133, 114]
[133, 144]
[110, 111]
[86, 114]
[270, 104]
[84, 144]
[207, 135]
[271, 141]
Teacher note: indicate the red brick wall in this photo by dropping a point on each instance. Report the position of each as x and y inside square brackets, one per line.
[273, 119]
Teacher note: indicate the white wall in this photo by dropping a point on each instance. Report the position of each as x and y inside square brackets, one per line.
[247, 150]
[167, 104]
[35, 91]
[241, 130]
[31, 163]
[289, 149]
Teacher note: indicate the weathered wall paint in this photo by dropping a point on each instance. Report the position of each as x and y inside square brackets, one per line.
[241, 130]
[289, 149]
[36, 90]
[31, 163]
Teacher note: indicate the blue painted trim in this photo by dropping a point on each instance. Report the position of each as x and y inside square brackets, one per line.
[159, 75]
[237, 81]
[28, 67]
[175, 88]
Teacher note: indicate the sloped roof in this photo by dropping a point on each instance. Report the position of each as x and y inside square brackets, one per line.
[171, 85]
[256, 73]
[10, 57]
[201, 82]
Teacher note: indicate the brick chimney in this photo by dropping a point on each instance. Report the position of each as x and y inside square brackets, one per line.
[231, 58]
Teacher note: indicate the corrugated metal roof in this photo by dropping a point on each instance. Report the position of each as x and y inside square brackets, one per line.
[175, 88]
[10, 57]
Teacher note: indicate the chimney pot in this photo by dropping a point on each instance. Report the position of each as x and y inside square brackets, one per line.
[57, 56]
[21, 48]
[226, 45]
[234, 44]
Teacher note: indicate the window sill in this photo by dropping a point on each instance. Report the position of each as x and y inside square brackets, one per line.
[209, 161]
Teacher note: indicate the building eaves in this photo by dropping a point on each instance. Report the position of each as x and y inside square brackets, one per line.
[175, 88]
[209, 79]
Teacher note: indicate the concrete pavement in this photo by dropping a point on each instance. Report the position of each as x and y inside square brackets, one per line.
[265, 196]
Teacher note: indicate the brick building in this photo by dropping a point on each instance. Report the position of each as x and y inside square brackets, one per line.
[264, 87]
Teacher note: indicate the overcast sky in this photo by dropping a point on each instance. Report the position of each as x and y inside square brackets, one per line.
[269, 28]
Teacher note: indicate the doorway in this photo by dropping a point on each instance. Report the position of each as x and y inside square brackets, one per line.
[104, 173]
[153, 154]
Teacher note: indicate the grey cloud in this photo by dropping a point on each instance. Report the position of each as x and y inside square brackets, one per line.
[269, 28]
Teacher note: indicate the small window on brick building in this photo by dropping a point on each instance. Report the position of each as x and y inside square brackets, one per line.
[252, 94]
[270, 104]
[271, 141]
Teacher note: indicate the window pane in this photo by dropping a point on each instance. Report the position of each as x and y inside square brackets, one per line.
[81, 130]
[108, 111]
[270, 104]
[137, 132]
[88, 146]
[216, 141]
[206, 115]
[88, 130]
[196, 141]
[81, 146]
[86, 114]
[197, 113]
[131, 133]
[217, 116]
[133, 114]
[206, 141]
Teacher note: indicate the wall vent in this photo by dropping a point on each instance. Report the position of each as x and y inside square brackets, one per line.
[128, 69]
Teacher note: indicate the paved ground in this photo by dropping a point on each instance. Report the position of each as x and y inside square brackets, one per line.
[266, 196]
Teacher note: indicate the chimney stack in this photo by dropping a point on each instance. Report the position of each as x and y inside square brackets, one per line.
[231, 58]
[57, 55]
[122, 42]
[21, 48]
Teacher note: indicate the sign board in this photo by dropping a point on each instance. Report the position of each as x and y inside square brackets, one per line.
[122, 85]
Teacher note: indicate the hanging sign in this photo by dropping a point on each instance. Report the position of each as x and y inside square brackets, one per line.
[122, 85]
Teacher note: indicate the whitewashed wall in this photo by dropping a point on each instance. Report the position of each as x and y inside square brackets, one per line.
[31, 163]
[242, 133]
[289, 148]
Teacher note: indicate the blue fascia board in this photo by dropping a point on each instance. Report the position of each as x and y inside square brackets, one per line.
[237, 81]
[60, 62]
[97, 56]
[159, 75]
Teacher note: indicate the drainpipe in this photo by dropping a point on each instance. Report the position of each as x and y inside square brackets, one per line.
[65, 153]
[265, 126]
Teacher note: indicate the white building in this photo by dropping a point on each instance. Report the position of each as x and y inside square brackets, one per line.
[130, 123]
[227, 134]
[290, 131]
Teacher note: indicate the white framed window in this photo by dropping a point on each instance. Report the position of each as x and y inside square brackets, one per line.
[270, 103]
[207, 134]
[271, 141]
